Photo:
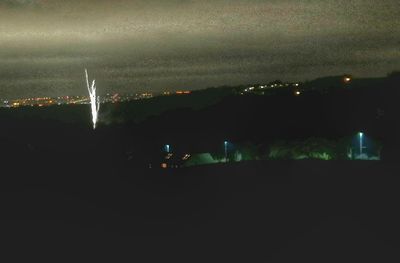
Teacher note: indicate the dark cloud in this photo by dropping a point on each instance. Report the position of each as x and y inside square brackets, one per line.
[156, 45]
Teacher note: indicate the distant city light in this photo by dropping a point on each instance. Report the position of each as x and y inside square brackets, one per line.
[180, 92]
[65, 100]
[347, 79]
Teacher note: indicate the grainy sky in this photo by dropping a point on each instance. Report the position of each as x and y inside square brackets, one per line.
[154, 45]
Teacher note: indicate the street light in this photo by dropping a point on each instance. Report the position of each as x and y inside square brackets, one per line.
[360, 134]
[226, 150]
[167, 148]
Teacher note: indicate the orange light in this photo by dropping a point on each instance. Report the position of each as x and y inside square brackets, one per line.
[163, 165]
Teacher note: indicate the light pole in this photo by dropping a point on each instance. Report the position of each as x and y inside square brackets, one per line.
[226, 150]
[167, 148]
[361, 146]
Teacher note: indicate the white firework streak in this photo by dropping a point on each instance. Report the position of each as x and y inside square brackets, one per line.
[94, 100]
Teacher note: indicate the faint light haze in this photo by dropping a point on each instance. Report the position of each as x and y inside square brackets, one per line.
[134, 46]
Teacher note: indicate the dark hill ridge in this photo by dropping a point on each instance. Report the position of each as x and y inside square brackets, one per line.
[259, 119]
[69, 191]
[139, 110]
[337, 114]
[337, 82]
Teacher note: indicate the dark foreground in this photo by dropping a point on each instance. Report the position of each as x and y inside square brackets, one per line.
[254, 212]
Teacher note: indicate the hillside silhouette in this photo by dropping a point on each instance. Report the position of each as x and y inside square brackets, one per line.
[326, 109]
[65, 184]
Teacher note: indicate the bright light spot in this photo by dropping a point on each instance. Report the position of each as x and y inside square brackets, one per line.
[186, 156]
[297, 93]
[94, 100]
[347, 79]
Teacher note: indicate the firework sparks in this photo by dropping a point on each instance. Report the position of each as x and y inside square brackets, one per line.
[94, 100]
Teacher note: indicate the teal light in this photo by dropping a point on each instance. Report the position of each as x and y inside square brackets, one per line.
[361, 142]
[226, 150]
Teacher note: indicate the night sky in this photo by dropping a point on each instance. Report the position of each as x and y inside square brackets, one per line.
[155, 45]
